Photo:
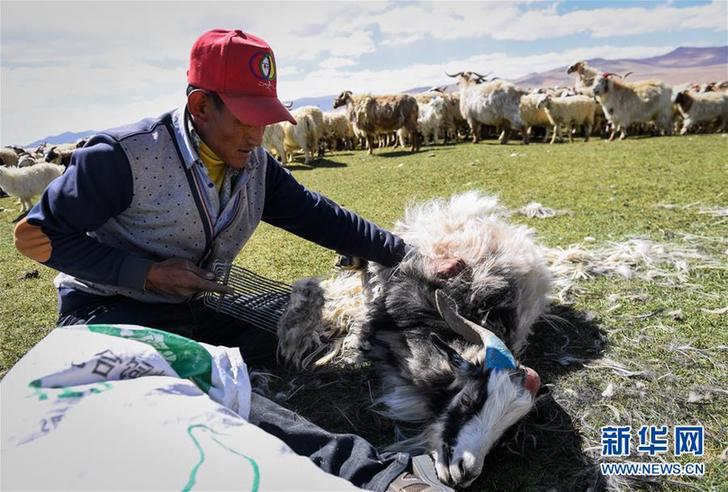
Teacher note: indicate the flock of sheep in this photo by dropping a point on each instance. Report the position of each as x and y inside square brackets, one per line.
[24, 174]
[482, 107]
[600, 103]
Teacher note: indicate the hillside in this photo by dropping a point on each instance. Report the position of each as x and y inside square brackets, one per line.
[676, 67]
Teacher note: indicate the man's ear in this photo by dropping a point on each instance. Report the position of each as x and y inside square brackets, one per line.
[199, 105]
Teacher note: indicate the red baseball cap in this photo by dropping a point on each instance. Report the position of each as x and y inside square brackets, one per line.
[241, 68]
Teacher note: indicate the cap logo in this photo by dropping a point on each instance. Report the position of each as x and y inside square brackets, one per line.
[263, 68]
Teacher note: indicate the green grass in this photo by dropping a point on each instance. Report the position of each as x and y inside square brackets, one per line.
[611, 190]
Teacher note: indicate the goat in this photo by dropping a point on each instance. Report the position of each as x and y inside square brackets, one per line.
[703, 107]
[441, 370]
[337, 130]
[489, 103]
[273, 137]
[432, 113]
[371, 115]
[306, 134]
[26, 161]
[452, 122]
[626, 103]
[532, 115]
[569, 111]
[60, 154]
[585, 78]
[8, 156]
[27, 182]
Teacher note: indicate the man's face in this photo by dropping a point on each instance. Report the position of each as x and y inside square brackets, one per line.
[231, 140]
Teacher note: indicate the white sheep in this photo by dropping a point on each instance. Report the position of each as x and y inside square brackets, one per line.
[625, 103]
[337, 128]
[273, 136]
[431, 115]
[532, 115]
[569, 111]
[8, 157]
[26, 182]
[489, 103]
[704, 107]
[306, 134]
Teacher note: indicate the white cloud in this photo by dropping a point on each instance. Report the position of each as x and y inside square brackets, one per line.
[523, 21]
[400, 40]
[337, 62]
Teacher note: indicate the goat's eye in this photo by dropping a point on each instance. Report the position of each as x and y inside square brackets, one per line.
[467, 401]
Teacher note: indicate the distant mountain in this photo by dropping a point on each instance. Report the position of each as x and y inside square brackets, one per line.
[676, 67]
[324, 103]
[690, 57]
[65, 137]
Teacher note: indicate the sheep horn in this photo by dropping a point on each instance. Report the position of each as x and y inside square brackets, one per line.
[482, 76]
[470, 331]
[455, 75]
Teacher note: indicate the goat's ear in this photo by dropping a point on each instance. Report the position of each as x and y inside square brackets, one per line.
[456, 360]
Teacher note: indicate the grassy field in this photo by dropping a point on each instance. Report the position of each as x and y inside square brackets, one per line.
[626, 355]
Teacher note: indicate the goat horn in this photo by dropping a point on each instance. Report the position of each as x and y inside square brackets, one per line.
[627, 75]
[470, 331]
[455, 75]
[483, 76]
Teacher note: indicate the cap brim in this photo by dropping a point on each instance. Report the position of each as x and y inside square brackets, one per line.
[257, 110]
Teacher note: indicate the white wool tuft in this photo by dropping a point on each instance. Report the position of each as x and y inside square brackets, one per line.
[639, 258]
[535, 210]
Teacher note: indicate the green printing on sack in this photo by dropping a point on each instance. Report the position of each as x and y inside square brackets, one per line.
[193, 473]
[188, 358]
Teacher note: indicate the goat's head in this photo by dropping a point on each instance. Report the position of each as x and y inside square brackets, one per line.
[603, 83]
[53, 156]
[342, 99]
[437, 103]
[466, 79]
[493, 393]
[684, 100]
[576, 67]
[544, 101]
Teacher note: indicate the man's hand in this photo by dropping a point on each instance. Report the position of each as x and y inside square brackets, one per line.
[182, 278]
[447, 267]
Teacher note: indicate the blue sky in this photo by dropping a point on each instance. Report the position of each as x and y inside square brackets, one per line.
[72, 66]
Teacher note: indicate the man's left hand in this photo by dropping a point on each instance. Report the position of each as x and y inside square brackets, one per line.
[447, 267]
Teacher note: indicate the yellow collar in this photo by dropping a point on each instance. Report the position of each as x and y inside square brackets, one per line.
[215, 166]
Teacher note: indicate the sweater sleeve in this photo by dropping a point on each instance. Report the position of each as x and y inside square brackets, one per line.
[96, 187]
[292, 207]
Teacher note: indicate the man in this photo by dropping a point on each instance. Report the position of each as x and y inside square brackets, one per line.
[144, 210]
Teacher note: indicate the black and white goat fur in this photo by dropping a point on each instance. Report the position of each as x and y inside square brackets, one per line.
[425, 335]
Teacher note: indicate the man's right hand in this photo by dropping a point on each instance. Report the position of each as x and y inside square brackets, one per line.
[181, 278]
